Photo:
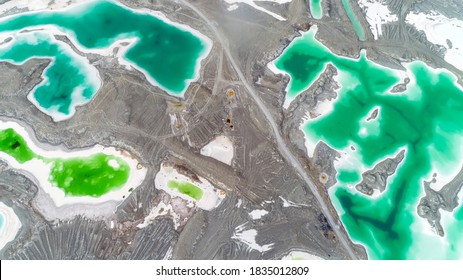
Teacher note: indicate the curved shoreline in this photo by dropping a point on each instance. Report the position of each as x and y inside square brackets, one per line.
[11, 225]
[121, 55]
[89, 72]
[39, 171]
[210, 199]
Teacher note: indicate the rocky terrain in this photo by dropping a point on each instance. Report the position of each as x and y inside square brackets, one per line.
[130, 113]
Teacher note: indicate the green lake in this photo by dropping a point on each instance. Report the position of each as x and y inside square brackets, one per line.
[168, 55]
[425, 121]
[186, 188]
[14, 145]
[88, 176]
[80, 176]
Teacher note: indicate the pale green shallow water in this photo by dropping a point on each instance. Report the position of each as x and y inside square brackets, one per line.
[425, 121]
[1, 222]
[166, 54]
[316, 9]
[186, 188]
[353, 19]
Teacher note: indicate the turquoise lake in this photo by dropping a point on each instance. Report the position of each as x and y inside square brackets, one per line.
[69, 80]
[1, 222]
[425, 121]
[316, 9]
[168, 55]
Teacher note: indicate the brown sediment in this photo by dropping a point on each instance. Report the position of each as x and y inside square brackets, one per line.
[230, 92]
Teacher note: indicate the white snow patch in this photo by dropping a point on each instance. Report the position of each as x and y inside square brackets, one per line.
[232, 7]
[377, 13]
[11, 225]
[161, 210]
[257, 214]
[257, 7]
[324, 107]
[113, 163]
[168, 254]
[248, 237]
[36, 5]
[438, 30]
[221, 149]
[287, 203]
[300, 255]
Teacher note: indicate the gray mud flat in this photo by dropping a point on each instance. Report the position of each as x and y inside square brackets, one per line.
[130, 113]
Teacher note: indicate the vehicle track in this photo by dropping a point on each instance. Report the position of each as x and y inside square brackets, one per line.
[287, 155]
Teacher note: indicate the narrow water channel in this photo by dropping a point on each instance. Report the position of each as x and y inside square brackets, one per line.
[353, 19]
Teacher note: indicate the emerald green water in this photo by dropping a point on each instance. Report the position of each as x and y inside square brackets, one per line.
[353, 18]
[316, 9]
[425, 120]
[303, 74]
[166, 54]
[186, 188]
[66, 77]
[348, 176]
[81, 176]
